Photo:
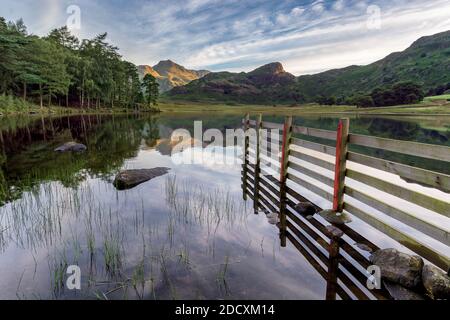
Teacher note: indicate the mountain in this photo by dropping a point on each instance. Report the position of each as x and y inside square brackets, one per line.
[144, 70]
[170, 75]
[426, 61]
[263, 85]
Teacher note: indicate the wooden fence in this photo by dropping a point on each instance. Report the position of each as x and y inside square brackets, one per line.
[331, 173]
[334, 258]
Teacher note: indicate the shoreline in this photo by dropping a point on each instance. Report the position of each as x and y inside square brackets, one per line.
[419, 110]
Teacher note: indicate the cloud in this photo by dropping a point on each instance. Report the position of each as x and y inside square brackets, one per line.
[306, 36]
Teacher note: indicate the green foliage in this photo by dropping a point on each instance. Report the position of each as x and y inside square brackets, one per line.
[362, 101]
[426, 62]
[10, 103]
[328, 101]
[59, 68]
[151, 90]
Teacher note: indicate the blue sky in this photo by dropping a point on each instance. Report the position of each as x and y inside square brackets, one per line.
[240, 35]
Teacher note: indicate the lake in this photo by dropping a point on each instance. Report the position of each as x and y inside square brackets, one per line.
[185, 235]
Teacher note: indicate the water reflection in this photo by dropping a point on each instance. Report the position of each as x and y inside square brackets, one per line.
[188, 235]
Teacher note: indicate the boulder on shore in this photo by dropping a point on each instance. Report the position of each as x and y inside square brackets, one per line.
[436, 282]
[131, 178]
[398, 267]
[71, 147]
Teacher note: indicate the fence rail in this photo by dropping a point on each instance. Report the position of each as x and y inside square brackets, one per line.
[330, 172]
[334, 259]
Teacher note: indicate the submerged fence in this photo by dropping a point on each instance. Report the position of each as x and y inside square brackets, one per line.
[352, 182]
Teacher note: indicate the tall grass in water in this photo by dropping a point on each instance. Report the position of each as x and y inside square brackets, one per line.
[196, 204]
[76, 226]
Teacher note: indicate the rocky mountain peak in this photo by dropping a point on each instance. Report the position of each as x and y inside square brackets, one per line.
[271, 68]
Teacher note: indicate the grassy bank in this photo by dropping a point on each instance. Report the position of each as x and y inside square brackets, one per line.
[428, 107]
[425, 108]
[14, 106]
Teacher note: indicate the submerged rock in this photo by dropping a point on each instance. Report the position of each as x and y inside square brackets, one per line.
[436, 282]
[398, 292]
[364, 247]
[71, 147]
[131, 178]
[335, 217]
[305, 208]
[398, 267]
[272, 218]
[335, 232]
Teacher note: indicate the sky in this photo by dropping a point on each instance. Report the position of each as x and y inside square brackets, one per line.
[307, 37]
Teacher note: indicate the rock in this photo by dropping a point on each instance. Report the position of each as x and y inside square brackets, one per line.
[71, 147]
[131, 178]
[272, 218]
[364, 247]
[305, 208]
[436, 282]
[335, 232]
[398, 267]
[335, 217]
[398, 292]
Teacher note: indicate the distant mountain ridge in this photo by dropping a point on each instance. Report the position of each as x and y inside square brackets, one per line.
[426, 61]
[259, 86]
[170, 74]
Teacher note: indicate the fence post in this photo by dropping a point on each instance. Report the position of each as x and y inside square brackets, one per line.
[258, 162]
[287, 137]
[341, 164]
[246, 146]
[333, 268]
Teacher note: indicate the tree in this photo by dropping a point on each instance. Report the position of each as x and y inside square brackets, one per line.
[60, 66]
[151, 90]
[363, 101]
[397, 94]
[329, 101]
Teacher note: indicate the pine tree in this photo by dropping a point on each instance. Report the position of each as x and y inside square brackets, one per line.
[151, 90]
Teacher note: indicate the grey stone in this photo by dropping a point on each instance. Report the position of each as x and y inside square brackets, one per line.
[364, 247]
[398, 267]
[131, 178]
[272, 218]
[305, 208]
[335, 217]
[398, 292]
[71, 147]
[335, 232]
[436, 282]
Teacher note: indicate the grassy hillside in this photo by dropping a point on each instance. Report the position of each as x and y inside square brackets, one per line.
[426, 61]
[269, 84]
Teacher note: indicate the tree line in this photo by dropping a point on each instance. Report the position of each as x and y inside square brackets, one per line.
[400, 93]
[59, 69]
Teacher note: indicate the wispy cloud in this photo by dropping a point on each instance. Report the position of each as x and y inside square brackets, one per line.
[306, 36]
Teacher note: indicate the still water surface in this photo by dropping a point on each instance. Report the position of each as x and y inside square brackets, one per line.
[186, 235]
